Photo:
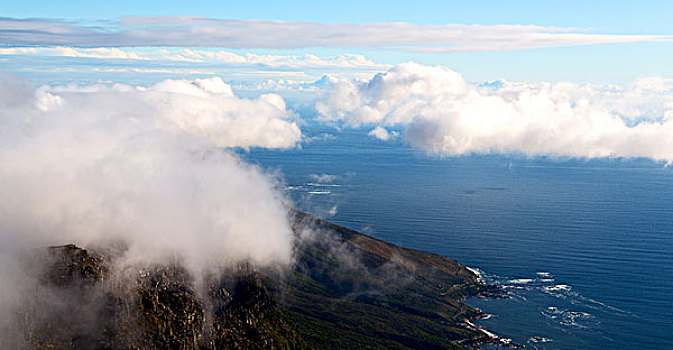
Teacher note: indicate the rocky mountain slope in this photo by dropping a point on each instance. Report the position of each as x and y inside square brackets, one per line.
[345, 291]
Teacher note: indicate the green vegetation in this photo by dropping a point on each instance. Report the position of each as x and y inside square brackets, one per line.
[349, 290]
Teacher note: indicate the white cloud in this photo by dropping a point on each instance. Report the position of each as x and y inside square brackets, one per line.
[382, 134]
[441, 112]
[189, 31]
[88, 164]
[204, 108]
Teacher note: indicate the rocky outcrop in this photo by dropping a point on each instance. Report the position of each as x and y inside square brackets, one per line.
[346, 290]
[89, 307]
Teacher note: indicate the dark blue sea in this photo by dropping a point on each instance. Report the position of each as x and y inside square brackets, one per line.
[584, 247]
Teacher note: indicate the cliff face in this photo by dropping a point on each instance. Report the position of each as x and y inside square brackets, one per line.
[347, 290]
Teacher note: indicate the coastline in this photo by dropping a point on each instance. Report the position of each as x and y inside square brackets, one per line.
[477, 289]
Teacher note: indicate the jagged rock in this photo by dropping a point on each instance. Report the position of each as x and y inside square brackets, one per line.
[171, 313]
[72, 265]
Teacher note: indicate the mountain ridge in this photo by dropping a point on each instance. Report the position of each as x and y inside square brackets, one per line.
[345, 290]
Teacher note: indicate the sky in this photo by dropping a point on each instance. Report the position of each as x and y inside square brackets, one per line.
[561, 78]
[579, 41]
[614, 16]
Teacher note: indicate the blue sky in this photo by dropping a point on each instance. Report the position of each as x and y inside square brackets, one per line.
[611, 16]
[613, 62]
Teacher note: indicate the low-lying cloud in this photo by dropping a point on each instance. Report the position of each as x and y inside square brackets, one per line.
[93, 164]
[441, 112]
[324, 178]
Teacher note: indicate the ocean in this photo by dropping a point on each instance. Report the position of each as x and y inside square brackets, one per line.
[584, 247]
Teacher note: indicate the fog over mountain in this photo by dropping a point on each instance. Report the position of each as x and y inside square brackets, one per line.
[93, 165]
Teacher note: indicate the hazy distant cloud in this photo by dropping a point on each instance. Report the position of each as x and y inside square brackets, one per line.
[251, 71]
[145, 70]
[192, 55]
[441, 112]
[189, 31]
[99, 52]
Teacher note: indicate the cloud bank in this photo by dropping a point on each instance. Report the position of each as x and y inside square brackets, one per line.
[92, 164]
[190, 31]
[441, 112]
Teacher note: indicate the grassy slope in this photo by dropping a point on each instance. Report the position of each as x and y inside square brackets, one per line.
[353, 291]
